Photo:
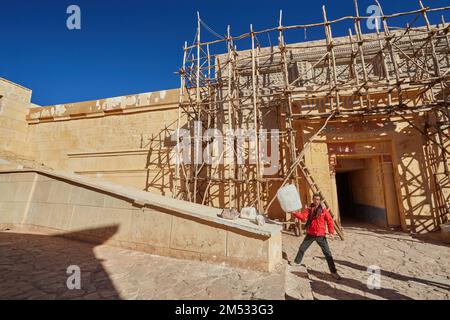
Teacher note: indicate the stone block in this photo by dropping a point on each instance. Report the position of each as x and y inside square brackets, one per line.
[85, 218]
[151, 226]
[22, 176]
[116, 202]
[8, 191]
[5, 177]
[23, 191]
[12, 212]
[60, 216]
[59, 192]
[198, 236]
[86, 197]
[42, 177]
[246, 245]
[41, 191]
[38, 214]
[117, 217]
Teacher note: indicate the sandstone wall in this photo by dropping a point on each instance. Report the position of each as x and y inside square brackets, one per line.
[104, 212]
[124, 139]
[128, 140]
[14, 103]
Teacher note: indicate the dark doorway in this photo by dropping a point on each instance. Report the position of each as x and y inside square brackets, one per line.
[345, 197]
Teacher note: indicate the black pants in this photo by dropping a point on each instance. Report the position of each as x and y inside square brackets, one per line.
[322, 242]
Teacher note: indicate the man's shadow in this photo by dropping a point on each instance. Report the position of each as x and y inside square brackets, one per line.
[319, 286]
[394, 275]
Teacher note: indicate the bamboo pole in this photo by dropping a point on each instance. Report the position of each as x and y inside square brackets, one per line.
[198, 106]
[255, 122]
[384, 63]
[237, 115]
[177, 186]
[353, 65]
[210, 106]
[229, 114]
[332, 69]
[288, 116]
[392, 54]
[357, 26]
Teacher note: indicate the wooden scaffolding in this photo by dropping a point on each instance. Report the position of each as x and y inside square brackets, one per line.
[395, 71]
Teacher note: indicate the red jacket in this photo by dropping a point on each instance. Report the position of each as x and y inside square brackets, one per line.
[317, 225]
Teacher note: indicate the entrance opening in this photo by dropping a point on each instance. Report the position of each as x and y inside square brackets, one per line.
[345, 198]
[361, 190]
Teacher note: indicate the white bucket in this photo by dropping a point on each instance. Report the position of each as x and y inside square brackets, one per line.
[289, 198]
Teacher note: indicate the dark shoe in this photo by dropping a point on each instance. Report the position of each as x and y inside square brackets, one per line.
[336, 276]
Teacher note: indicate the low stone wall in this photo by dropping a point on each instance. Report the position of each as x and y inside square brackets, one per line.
[102, 212]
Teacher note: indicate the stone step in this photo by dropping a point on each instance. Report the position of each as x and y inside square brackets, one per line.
[298, 283]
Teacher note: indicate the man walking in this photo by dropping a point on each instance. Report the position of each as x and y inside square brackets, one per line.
[316, 217]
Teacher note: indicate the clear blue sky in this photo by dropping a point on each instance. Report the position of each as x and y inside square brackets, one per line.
[134, 46]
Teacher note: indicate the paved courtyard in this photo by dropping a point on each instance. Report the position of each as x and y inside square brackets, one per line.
[33, 266]
[411, 267]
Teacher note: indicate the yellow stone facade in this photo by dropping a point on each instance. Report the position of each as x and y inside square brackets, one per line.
[127, 140]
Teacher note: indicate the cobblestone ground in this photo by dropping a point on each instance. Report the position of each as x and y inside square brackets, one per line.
[411, 267]
[33, 266]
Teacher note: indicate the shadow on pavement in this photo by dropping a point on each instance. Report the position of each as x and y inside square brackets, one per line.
[394, 275]
[389, 294]
[34, 266]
